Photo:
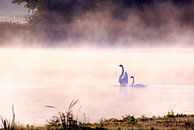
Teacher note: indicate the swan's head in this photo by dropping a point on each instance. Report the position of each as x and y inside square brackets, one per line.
[121, 65]
[132, 77]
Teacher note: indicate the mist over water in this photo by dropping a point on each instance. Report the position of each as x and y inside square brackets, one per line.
[96, 66]
[33, 78]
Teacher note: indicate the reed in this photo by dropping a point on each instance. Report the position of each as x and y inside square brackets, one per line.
[64, 120]
[7, 124]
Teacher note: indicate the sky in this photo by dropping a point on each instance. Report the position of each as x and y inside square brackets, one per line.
[7, 8]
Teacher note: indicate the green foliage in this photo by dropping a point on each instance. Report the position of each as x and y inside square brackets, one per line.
[130, 119]
[180, 115]
[111, 120]
[170, 114]
[143, 118]
[65, 120]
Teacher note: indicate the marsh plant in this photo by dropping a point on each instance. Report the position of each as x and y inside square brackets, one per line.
[170, 114]
[130, 119]
[7, 124]
[64, 120]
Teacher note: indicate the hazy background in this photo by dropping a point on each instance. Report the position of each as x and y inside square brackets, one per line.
[102, 23]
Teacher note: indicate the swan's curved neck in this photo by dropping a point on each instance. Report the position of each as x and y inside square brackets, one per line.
[122, 71]
[132, 81]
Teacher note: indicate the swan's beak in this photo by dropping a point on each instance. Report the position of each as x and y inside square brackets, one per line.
[120, 65]
[132, 77]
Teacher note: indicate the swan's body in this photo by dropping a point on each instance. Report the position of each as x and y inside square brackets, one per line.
[123, 78]
[136, 85]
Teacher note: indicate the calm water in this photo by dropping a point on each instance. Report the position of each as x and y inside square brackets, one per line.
[30, 79]
[96, 101]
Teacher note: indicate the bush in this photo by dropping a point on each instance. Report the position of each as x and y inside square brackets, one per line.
[65, 120]
[170, 114]
[130, 119]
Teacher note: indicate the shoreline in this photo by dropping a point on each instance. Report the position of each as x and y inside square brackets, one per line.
[68, 121]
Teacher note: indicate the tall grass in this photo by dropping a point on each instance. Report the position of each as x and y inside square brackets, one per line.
[6, 124]
[64, 120]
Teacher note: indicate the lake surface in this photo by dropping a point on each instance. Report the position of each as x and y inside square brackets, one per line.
[31, 79]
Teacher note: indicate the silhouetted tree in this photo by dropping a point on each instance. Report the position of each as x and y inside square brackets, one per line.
[58, 19]
[66, 10]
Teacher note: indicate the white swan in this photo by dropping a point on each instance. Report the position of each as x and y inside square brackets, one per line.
[136, 85]
[123, 78]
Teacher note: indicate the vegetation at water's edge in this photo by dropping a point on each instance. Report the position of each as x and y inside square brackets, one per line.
[67, 121]
[169, 121]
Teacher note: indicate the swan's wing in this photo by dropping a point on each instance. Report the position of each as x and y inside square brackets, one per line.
[126, 78]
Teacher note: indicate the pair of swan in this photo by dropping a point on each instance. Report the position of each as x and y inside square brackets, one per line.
[123, 79]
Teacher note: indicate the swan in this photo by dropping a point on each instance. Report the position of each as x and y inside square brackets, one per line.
[123, 78]
[136, 85]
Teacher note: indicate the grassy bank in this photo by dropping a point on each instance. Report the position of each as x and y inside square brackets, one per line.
[67, 121]
[169, 121]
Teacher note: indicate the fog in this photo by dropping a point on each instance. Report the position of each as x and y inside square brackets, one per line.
[83, 66]
[32, 78]
[106, 24]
